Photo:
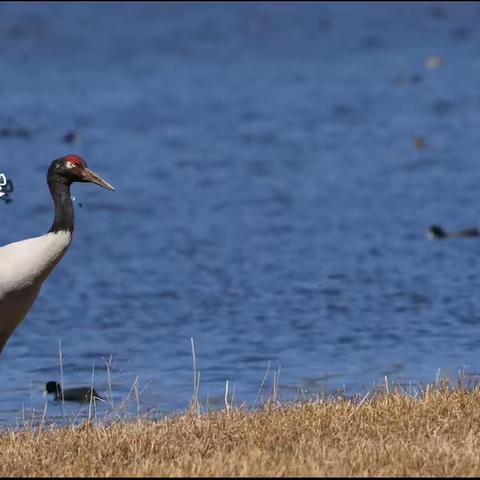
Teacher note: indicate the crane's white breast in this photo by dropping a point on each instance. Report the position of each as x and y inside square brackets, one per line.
[24, 266]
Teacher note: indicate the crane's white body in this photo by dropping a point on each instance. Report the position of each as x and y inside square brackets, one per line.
[24, 266]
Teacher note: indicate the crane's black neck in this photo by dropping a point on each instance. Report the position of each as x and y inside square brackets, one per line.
[64, 215]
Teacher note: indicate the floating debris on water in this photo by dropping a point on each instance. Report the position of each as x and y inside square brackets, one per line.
[71, 137]
[433, 62]
[15, 132]
[411, 79]
[420, 143]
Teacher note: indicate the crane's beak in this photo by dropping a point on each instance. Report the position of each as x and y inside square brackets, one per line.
[89, 176]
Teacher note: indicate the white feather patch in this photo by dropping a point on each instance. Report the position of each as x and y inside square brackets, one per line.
[24, 266]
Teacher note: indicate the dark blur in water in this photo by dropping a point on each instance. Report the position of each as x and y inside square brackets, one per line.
[271, 202]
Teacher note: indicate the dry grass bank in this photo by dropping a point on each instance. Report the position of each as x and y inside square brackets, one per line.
[389, 435]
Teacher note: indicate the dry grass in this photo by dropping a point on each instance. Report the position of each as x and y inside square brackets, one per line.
[436, 434]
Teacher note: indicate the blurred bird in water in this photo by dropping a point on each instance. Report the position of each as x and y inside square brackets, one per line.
[79, 394]
[438, 233]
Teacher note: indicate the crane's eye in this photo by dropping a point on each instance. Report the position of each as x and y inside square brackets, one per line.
[70, 165]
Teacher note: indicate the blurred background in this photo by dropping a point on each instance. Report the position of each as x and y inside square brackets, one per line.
[277, 166]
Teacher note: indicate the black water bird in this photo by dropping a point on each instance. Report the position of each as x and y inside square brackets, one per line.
[438, 233]
[79, 394]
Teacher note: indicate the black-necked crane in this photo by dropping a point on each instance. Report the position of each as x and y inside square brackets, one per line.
[26, 264]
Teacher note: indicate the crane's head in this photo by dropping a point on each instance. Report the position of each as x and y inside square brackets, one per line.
[73, 168]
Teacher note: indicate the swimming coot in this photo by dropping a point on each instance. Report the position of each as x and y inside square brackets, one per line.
[79, 394]
[437, 232]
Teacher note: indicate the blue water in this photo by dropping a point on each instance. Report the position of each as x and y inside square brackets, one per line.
[271, 203]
